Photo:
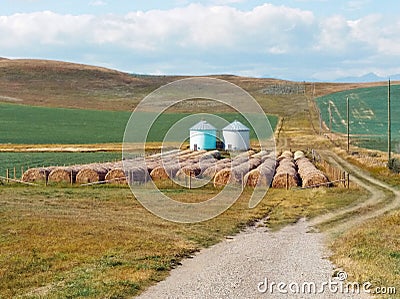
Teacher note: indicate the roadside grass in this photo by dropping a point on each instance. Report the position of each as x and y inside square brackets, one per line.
[371, 252]
[100, 242]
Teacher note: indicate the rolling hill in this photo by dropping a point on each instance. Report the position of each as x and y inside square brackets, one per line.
[69, 85]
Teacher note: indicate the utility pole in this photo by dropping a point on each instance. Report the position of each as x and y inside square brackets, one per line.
[389, 129]
[348, 125]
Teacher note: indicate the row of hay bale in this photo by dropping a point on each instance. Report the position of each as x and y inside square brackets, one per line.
[295, 170]
[263, 174]
[286, 175]
[93, 172]
[236, 172]
[248, 168]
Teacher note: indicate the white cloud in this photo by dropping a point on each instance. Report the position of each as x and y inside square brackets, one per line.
[357, 4]
[211, 37]
[97, 3]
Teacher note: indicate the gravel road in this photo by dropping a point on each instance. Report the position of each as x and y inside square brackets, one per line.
[236, 267]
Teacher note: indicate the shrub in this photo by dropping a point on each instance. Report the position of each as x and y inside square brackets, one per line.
[394, 165]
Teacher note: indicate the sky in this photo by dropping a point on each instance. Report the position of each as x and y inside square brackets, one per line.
[302, 40]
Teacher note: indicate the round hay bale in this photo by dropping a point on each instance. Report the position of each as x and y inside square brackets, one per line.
[222, 177]
[211, 170]
[287, 163]
[192, 170]
[61, 175]
[36, 174]
[261, 176]
[309, 174]
[161, 173]
[117, 176]
[298, 155]
[90, 175]
[315, 179]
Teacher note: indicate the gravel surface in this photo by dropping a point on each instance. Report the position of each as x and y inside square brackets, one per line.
[236, 267]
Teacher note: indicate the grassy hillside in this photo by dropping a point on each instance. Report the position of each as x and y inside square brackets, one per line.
[61, 84]
[69, 85]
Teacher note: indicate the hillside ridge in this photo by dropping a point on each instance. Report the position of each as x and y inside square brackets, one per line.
[54, 83]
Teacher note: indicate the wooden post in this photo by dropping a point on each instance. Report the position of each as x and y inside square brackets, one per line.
[330, 116]
[348, 180]
[7, 175]
[344, 179]
[72, 180]
[348, 124]
[190, 179]
[15, 173]
[287, 181]
[22, 171]
[389, 129]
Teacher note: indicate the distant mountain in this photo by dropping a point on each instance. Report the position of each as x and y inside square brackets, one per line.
[370, 77]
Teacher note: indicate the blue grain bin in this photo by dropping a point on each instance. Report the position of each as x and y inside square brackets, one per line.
[203, 136]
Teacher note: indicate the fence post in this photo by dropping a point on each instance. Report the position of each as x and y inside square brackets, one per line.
[7, 175]
[72, 180]
[15, 173]
[22, 171]
[344, 179]
[348, 180]
[287, 181]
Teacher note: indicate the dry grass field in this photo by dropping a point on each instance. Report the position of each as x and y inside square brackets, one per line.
[100, 242]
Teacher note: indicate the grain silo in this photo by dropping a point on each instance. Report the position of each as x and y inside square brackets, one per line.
[203, 136]
[236, 136]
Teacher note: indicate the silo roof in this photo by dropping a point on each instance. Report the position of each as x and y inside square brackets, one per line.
[202, 126]
[236, 126]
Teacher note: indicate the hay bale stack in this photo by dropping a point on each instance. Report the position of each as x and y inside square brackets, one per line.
[309, 174]
[163, 173]
[36, 174]
[286, 175]
[116, 175]
[222, 177]
[91, 175]
[285, 155]
[262, 175]
[193, 170]
[235, 174]
[211, 171]
[63, 175]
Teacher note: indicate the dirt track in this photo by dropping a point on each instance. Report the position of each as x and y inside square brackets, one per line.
[380, 193]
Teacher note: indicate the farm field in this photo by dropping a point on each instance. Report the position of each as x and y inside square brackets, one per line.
[368, 115]
[21, 124]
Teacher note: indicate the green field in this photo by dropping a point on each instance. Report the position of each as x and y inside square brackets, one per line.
[27, 160]
[21, 124]
[368, 115]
